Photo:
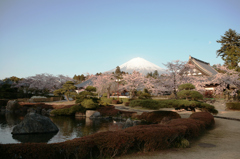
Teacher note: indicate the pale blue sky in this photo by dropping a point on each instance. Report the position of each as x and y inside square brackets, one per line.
[78, 36]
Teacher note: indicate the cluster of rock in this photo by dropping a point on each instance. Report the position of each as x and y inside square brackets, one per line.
[129, 123]
[36, 120]
[92, 114]
[13, 106]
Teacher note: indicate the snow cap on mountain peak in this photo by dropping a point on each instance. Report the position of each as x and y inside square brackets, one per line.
[141, 65]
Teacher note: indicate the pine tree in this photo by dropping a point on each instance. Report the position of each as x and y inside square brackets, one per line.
[117, 71]
[230, 49]
[155, 74]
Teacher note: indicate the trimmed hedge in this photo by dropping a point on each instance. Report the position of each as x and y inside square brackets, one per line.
[234, 106]
[108, 101]
[111, 111]
[174, 103]
[205, 117]
[150, 104]
[157, 116]
[124, 100]
[114, 143]
[108, 111]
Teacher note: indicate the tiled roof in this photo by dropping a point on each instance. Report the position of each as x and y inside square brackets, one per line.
[86, 83]
[203, 66]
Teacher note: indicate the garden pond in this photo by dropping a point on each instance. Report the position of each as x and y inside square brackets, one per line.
[70, 127]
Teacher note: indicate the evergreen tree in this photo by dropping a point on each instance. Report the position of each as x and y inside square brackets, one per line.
[155, 74]
[118, 71]
[230, 49]
[82, 77]
[149, 74]
[13, 79]
[75, 77]
[68, 89]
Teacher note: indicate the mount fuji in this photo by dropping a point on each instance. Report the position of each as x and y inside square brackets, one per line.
[140, 65]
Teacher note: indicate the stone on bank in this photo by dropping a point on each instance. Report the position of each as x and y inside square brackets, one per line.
[34, 123]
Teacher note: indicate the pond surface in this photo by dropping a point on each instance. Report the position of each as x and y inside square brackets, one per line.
[69, 128]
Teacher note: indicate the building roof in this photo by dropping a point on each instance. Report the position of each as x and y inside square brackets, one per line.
[203, 66]
[86, 83]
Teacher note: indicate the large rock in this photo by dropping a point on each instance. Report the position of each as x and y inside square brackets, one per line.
[12, 105]
[96, 115]
[128, 123]
[92, 114]
[35, 123]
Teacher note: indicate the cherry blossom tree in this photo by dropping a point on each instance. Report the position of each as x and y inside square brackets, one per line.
[174, 76]
[135, 81]
[105, 83]
[43, 82]
[227, 80]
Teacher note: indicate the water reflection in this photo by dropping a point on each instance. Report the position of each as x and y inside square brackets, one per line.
[34, 137]
[69, 128]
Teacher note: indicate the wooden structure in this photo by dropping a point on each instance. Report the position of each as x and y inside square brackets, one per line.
[199, 68]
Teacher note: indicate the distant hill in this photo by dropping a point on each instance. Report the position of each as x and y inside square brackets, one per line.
[141, 65]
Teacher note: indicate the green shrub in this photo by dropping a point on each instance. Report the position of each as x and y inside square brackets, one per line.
[173, 103]
[150, 104]
[77, 108]
[89, 104]
[91, 89]
[188, 94]
[234, 106]
[180, 142]
[103, 103]
[145, 96]
[208, 108]
[106, 100]
[186, 86]
[68, 111]
[192, 105]
[104, 95]
[123, 100]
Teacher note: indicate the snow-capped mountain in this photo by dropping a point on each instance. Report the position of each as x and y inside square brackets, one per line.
[141, 65]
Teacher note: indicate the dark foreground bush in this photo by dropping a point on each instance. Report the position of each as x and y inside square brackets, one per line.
[111, 111]
[109, 144]
[157, 116]
[234, 106]
[204, 116]
[108, 111]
